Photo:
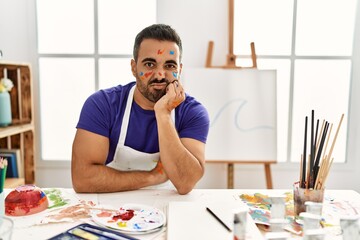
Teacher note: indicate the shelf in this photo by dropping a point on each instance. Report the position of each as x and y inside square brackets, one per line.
[13, 182]
[16, 129]
[20, 133]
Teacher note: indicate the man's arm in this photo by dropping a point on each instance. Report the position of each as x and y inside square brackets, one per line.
[183, 159]
[90, 174]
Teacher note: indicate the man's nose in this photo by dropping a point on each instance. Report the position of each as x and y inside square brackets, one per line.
[160, 74]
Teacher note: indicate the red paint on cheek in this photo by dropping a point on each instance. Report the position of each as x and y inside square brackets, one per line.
[148, 74]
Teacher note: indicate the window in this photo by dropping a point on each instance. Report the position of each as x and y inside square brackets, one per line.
[309, 43]
[79, 54]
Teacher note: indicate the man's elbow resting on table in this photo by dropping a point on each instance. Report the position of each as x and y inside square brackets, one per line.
[79, 186]
[186, 186]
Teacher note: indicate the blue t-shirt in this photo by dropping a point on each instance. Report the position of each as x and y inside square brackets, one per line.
[103, 113]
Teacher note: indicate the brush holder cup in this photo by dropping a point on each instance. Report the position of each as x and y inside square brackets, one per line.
[302, 195]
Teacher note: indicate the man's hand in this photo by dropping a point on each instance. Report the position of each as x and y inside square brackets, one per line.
[175, 95]
[159, 173]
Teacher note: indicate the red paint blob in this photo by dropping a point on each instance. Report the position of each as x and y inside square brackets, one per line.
[129, 214]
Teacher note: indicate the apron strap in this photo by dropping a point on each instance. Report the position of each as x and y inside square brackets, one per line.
[126, 117]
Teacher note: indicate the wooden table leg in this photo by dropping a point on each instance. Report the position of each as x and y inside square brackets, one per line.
[268, 176]
[230, 180]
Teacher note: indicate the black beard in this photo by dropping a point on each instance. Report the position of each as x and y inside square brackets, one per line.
[155, 95]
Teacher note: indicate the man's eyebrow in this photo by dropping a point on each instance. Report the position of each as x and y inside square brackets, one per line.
[148, 60]
[171, 61]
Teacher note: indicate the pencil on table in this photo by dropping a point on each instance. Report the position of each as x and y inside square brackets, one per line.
[218, 219]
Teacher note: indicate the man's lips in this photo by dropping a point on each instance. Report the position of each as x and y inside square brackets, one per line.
[158, 85]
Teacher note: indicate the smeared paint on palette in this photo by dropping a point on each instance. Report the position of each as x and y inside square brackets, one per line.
[25, 200]
[134, 218]
[260, 206]
[55, 198]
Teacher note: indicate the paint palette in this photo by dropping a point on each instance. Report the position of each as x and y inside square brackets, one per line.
[131, 218]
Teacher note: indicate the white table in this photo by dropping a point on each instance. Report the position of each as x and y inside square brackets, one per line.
[161, 200]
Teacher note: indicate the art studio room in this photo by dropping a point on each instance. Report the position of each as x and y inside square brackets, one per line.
[180, 119]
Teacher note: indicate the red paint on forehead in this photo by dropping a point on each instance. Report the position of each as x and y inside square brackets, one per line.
[159, 52]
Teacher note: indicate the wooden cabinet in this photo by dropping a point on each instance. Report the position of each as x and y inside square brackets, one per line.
[20, 133]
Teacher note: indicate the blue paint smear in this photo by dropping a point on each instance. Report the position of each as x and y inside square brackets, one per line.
[242, 103]
[137, 226]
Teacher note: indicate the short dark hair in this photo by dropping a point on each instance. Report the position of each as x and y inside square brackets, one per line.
[160, 32]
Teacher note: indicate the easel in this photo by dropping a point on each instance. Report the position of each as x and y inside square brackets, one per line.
[231, 64]
[231, 57]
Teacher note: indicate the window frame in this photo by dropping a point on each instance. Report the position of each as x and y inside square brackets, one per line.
[96, 56]
[353, 133]
[348, 163]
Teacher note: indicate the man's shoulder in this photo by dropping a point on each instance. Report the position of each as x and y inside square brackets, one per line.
[117, 90]
[191, 107]
[192, 102]
[115, 93]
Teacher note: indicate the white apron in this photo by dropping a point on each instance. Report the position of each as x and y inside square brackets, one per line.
[129, 159]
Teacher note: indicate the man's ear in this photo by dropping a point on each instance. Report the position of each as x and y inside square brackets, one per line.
[180, 70]
[133, 67]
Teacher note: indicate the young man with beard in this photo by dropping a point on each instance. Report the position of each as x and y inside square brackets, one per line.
[147, 133]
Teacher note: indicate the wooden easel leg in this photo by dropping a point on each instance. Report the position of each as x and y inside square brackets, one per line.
[253, 55]
[28, 156]
[209, 54]
[268, 176]
[230, 181]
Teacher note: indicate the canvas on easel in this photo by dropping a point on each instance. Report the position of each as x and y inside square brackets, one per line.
[242, 111]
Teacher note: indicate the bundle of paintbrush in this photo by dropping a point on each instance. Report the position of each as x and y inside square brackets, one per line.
[315, 166]
[3, 167]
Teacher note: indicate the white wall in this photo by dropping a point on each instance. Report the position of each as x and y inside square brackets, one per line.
[197, 23]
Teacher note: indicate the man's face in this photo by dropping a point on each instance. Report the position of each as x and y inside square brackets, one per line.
[158, 64]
